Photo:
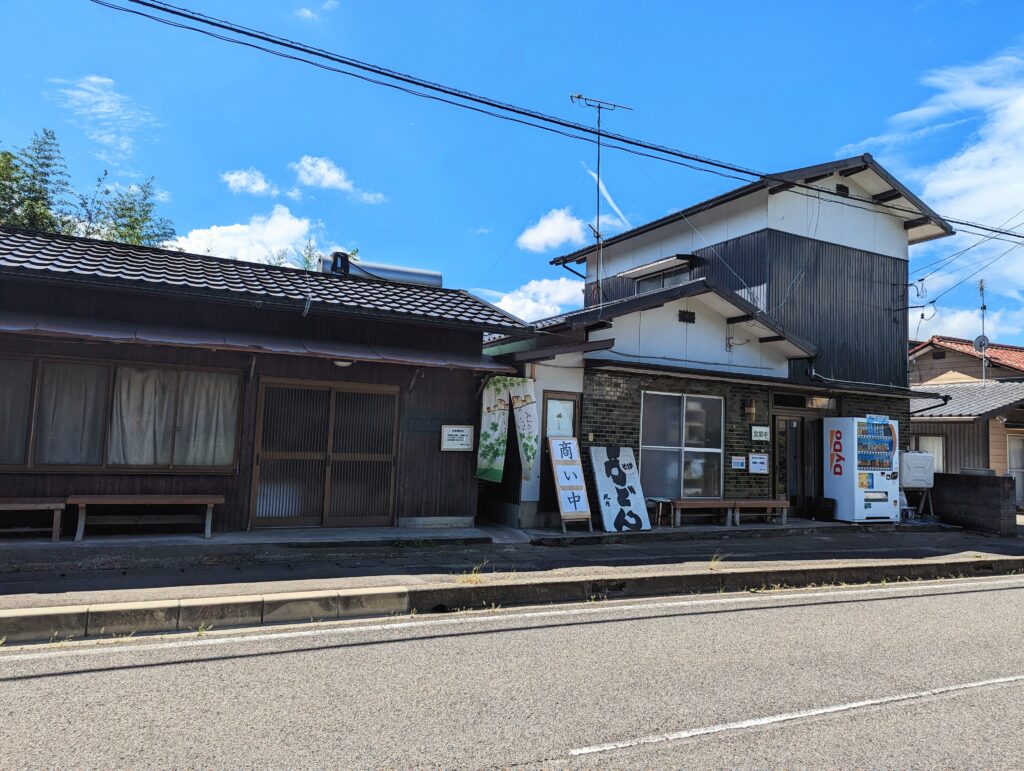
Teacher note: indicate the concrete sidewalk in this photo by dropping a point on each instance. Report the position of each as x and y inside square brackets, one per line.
[329, 568]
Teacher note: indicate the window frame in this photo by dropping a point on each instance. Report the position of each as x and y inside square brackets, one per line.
[684, 448]
[662, 275]
[32, 466]
[942, 442]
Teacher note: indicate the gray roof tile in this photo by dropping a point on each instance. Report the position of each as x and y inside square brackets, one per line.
[969, 400]
[65, 258]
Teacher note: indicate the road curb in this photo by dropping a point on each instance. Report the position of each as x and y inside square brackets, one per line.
[196, 615]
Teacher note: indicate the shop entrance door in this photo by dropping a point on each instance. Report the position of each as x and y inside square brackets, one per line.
[560, 418]
[324, 455]
[798, 460]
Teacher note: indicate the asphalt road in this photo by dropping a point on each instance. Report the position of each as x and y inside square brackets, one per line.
[908, 675]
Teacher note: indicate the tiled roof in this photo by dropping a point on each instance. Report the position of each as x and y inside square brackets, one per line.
[968, 399]
[64, 258]
[999, 354]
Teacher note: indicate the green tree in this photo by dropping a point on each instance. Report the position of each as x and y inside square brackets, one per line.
[35, 185]
[36, 194]
[131, 217]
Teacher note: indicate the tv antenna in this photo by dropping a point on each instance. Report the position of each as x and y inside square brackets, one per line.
[982, 342]
[600, 106]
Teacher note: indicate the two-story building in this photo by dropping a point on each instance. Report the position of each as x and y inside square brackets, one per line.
[731, 329]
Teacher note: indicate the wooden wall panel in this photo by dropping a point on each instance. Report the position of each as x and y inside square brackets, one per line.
[429, 483]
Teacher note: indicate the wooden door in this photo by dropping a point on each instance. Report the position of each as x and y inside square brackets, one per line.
[325, 455]
[560, 417]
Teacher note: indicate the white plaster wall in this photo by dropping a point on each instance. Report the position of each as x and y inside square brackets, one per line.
[830, 219]
[657, 337]
[563, 373]
[731, 220]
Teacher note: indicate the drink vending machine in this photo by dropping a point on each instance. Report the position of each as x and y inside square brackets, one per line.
[862, 468]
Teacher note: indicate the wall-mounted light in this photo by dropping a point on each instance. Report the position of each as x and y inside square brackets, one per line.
[343, 363]
[750, 409]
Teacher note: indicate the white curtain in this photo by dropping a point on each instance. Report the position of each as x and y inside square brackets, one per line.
[15, 398]
[141, 417]
[72, 414]
[207, 419]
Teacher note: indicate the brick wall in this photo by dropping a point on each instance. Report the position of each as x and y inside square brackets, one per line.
[611, 415]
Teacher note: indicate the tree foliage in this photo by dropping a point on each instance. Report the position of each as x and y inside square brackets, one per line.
[36, 194]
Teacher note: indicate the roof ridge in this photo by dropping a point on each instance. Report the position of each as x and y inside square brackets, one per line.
[223, 260]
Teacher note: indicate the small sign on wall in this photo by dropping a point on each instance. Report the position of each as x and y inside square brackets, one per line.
[760, 433]
[456, 439]
[739, 462]
[758, 463]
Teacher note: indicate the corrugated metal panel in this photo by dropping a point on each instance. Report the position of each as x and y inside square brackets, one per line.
[848, 302]
[965, 445]
[845, 301]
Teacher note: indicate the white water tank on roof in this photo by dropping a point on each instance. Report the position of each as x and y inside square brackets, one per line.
[917, 470]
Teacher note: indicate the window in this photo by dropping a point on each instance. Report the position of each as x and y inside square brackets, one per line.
[681, 446]
[662, 280]
[15, 404]
[99, 415]
[936, 446]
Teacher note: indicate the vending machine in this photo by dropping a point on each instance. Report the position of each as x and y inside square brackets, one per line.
[862, 468]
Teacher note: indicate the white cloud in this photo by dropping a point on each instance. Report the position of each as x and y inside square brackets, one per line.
[295, 194]
[252, 241]
[329, 5]
[481, 231]
[966, 323]
[556, 228]
[107, 116]
[307, 14]
[249, 181]
[982, 180]
[316, 171]
[539, 298]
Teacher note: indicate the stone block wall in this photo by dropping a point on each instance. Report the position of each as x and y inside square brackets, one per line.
[984, 503]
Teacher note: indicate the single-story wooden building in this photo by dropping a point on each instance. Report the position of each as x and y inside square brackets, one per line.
[304, 398]
[978, 425]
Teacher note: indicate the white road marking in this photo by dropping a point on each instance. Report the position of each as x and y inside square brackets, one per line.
[109, 646]
[742, 725]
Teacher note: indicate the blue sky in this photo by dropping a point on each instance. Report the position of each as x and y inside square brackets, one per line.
[253, 153]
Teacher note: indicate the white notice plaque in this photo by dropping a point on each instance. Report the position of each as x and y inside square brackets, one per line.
[456, 439]
[760, 433]
[758, 463]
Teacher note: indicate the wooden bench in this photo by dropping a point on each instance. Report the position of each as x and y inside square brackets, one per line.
[700, 507]
[84, 501]
[55, 505]
[765, 507]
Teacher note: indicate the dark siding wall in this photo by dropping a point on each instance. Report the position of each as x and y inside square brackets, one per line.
[848, 302]
[428, 482]
[965, 445]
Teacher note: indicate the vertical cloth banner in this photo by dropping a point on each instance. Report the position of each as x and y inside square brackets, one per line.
[501, 394]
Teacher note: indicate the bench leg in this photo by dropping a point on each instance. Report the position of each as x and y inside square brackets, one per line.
[81, 522]
[785, 512]
[56, 526]
[209, 521]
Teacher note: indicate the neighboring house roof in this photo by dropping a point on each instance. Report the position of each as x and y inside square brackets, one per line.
[727, 302]
[968, 400]
[999, 354]
[922, 223]
[86, 261]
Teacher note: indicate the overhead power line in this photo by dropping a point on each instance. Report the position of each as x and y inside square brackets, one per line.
[495, 108]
